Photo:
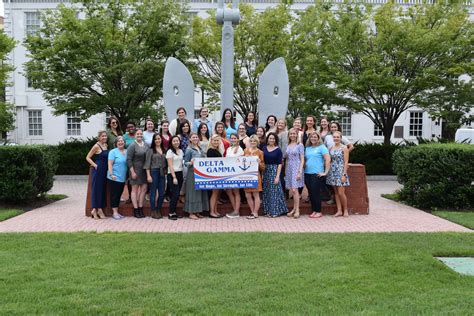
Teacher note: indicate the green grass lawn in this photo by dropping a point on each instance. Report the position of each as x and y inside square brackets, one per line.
[6, 213]
[465, 219]
[254, 273]
[392, 196]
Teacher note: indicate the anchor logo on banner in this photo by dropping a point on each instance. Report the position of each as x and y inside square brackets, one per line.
[244, 164]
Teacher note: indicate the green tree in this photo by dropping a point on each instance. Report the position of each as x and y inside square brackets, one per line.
[453, 103]
[7, 113]
[378, 62]
[109, 57]
[259, 39]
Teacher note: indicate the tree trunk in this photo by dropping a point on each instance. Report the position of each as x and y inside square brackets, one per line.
[387, 131]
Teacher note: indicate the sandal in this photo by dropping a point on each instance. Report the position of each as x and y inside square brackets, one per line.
[316, 215]
[252, 216]
[193, 217]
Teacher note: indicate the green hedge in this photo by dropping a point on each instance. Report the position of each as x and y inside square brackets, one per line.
[72, 156]
[436, 175]
[377, 158]
[26, 171]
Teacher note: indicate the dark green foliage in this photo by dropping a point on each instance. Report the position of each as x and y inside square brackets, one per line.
[72, 156]
[26, 172]
[436, 175]
[111, 59]
[377, 158]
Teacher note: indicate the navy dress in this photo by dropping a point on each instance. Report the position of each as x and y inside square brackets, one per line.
[274, 203]
[99, 178]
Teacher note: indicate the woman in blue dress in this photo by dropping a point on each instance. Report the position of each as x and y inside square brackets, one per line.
[274, 203]
[337, 176]
[97, 158]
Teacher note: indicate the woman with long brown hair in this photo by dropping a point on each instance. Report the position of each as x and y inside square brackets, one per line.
[113, 131]
[155, 166]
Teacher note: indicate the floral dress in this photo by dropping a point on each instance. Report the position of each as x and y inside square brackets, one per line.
[274, 203]
[337, 169]
[293, 163]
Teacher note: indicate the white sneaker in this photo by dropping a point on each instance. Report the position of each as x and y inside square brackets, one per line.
[232, 215]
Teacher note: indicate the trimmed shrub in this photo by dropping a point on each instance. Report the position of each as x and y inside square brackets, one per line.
[377, 158]
[26, 172]
[72, 156]
[436, 175]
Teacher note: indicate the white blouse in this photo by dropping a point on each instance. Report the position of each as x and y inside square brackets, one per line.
[176, 158]
[230, 152]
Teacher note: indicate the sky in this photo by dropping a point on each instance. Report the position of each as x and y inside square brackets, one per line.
[1, 8]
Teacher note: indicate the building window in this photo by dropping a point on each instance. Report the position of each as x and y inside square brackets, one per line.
[107, 117]
[32, 23]
[29, 83]
[35, 123]
[346, 122]
[416, 124]
[377, 130]
[73, 123]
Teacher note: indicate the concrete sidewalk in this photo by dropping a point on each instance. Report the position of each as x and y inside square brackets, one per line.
[68, 216]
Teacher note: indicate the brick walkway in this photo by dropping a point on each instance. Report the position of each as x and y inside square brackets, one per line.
[385, 216]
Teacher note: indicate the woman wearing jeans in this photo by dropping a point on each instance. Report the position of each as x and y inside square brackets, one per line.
[155, 166]
[175, 174]
[317, 163]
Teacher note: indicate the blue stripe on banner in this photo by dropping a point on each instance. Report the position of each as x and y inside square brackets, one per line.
[213, 185]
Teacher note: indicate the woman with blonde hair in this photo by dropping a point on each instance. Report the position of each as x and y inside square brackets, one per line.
[316, 167]
[323, 127]
[298, 126]
[253, 195]
[219, 129]
[294, 170]
[337, 176]
[234, 194]
[213, 151]
[196, 201]
[98, 160]
[117, 174]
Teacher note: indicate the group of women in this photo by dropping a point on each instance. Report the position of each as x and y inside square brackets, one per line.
[161, 163]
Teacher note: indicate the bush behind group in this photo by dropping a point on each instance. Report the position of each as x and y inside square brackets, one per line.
[436, 175]
[26, 172]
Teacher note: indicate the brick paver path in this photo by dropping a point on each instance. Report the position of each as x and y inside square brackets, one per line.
[385, 216]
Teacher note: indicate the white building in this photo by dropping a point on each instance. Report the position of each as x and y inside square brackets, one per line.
[35, 122]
